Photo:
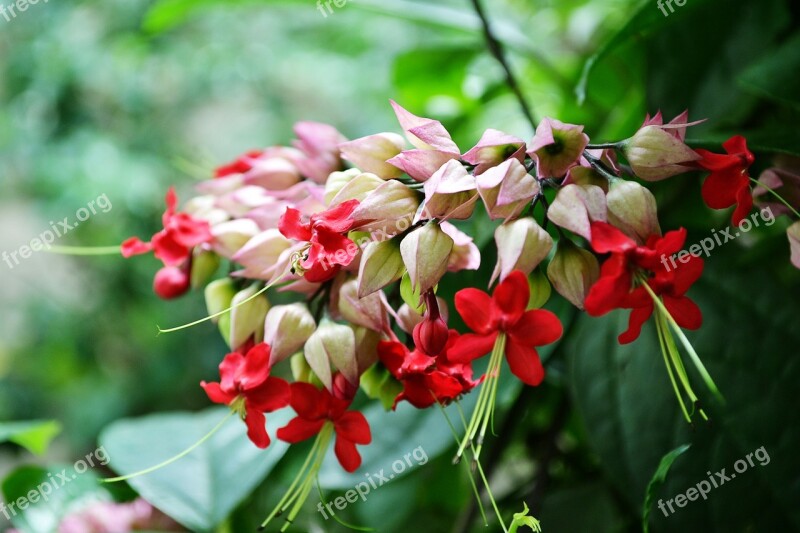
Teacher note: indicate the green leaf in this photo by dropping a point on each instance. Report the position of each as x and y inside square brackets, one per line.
[412, 298]
[775, 76]
[658, 479]
[53, 496]
[34, 435]
[201, 489]
[632, 417]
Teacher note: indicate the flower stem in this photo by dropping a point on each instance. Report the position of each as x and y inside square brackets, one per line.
[84, 250]
[171, 459]
[778, 196]
[686, 344]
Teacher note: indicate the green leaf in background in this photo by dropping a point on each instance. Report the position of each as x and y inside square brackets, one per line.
[44, 515]
[201, 489]
[34, 435]
[775, 76]
[658, 479]
[632, 418]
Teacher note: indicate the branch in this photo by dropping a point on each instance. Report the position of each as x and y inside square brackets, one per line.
[496, 49]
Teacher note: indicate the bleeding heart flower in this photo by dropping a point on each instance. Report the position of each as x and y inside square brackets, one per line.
[246, 386]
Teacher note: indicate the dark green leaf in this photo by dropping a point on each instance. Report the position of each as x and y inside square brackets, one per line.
[658, 479]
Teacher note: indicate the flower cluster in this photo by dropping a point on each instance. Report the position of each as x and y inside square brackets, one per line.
[364, 232]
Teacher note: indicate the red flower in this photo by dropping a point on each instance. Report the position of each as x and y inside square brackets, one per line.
[426, 380]
[619, 286]
[729, 181]
[174, 243]
[329, 249]
[241, 165]
[246, 386]
[505, 312]
[316, 407]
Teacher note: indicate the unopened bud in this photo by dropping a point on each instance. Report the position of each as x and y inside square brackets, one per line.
[342, 388]
[521, 245]
[381, 264]
[655, 154]
[231, 236]
[431, 334]
[332, 343]
[506, 189]
[204, 265]
[371, 153]
[368, 311]
[450, 193]
[573, 271]
[286, 329]
[247, 316]
[426, 252]
[632, 208]
[357, 188]
[171, 282]
[336, 181]
[389, 209]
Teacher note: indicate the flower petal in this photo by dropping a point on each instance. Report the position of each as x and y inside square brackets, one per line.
[299, 429]
[257, 427]
[511, 298]
[291, 226]
[524, 362]
[475, 308]
[308, 401]
[216, 394]
[606, 238]
[353, 426]
[684, 311]
[470, 346]
[537, 327]
[347, 454]
[272, 395]
[255, 368]
[635, 322]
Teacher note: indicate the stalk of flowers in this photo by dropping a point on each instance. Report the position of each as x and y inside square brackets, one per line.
[362, 232]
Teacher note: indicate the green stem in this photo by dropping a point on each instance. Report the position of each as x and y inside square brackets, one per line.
[84, 250]
[662, 343]
[171, 459]
[778, 196]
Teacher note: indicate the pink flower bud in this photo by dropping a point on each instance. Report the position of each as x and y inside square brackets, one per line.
[389, 209]
[357, 188]
[426, 253]
[286, 330]
[576, 207]
[521, 245]
[369, 311]
[655, 154]
[381, 264]
[171, 282]
[557, 147]
[465, 255]
[450, 193]
[371, 153]
[632, 208]
[334, 344]
[506, 189]
[573, 271]
[494, 148]
[230, 237]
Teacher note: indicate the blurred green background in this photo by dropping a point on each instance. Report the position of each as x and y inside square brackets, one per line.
[125, 98]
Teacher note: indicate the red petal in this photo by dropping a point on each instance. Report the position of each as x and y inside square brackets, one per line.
[257, 427]
[635, 322]
[469, 347]
[347, 454]
[135, 246]
[524, 363]
[444, 387]
[272, 395]
[299, 429]
[189, 231]
[171, 199]
[255, 369]
[744, 198]
[716, 162]
[686, 274]
[475, 308]
[308, 401]
[606, 238]
[684, 311]
[166, 248]
[291, 227]
[537, 327]
[511, 298]
[336, 219]
[353, 426]
[216, 394]
[392, 354]
[719, 189]
[229, 370]
[611, 290]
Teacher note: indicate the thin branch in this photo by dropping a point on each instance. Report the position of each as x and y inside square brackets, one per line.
[496, 49]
